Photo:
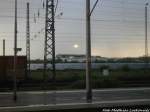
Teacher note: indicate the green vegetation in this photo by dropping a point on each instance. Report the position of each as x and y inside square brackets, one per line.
[75, 79]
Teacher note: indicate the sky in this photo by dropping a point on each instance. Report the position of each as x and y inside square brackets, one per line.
[117, 27]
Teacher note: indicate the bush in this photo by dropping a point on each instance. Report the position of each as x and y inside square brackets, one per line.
[105, 82]
[80, 84]
[125, 68]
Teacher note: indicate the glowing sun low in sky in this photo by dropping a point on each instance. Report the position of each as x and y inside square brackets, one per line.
[76, 46]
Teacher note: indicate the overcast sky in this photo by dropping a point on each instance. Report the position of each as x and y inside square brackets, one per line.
[117, 27]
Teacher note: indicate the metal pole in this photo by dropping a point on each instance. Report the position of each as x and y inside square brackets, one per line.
[53, 52]
[146, 40]
[146, 47]
[4, 47]
[88, 53]
[53, 42]
[28, 40]
[15, 52]
[45, 47]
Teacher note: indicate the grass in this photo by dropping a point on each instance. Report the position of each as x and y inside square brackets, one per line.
[75, 79]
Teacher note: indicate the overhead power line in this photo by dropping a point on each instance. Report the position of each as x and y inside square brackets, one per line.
[94, 7]
[56, 6]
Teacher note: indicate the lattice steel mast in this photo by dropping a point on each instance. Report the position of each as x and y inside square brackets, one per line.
[28, 40]
[49, 50]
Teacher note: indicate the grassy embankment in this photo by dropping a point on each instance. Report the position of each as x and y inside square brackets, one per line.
[75, 79]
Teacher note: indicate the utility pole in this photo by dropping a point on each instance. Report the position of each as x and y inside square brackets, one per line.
[15, 53]
[88, 50]
[3, 47]
[28, 40]
[49, 50]
[88, 53]
[146, 39]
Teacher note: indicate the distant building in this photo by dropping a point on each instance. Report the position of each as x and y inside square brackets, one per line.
[7, 64]
[78, 58]
[71, 58]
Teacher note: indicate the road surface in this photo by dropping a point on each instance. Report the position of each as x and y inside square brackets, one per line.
[103, 97]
